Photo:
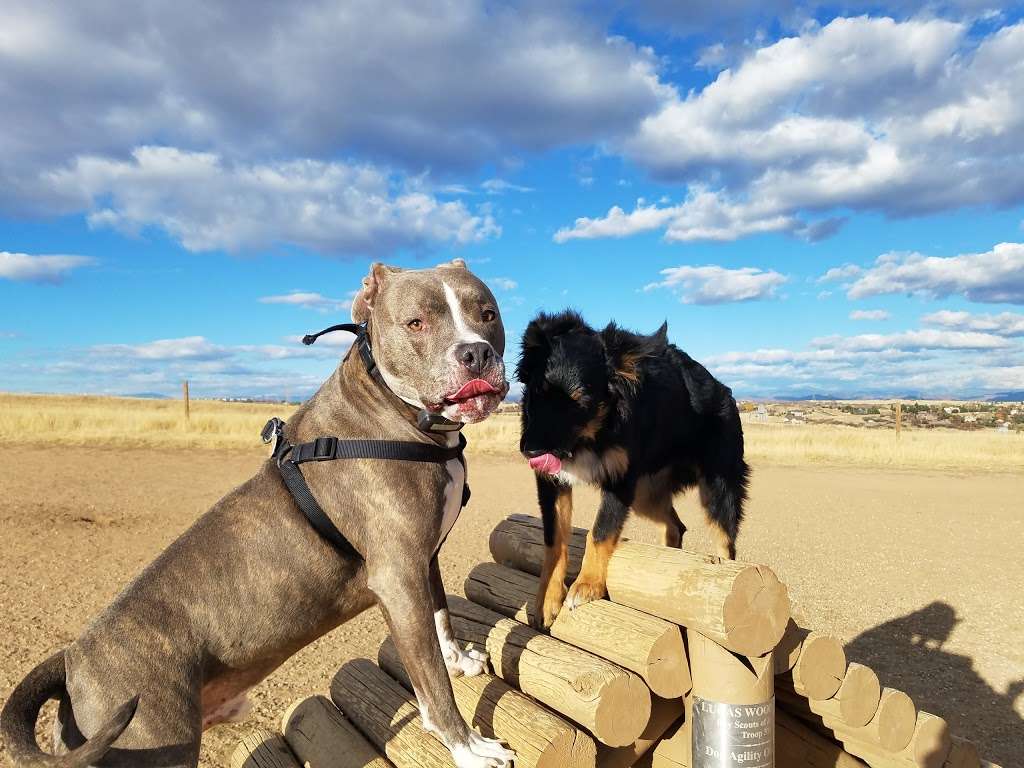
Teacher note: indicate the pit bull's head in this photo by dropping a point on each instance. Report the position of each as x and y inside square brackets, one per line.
[437, 338]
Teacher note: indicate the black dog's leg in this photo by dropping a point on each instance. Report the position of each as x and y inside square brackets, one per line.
[556, 511]
[459, 661]
[722, 494]
[601, 542]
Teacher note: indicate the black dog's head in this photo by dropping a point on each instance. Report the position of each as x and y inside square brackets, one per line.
[574, 377]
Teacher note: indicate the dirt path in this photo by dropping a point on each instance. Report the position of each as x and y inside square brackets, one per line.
[921, 575]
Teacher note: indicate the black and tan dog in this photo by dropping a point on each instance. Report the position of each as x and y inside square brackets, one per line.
[636, 416]
[252, 582]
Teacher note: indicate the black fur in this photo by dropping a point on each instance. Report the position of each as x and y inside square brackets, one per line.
[661, 406]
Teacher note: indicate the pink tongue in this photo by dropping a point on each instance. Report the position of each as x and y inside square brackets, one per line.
[547, 462]
[472, 389]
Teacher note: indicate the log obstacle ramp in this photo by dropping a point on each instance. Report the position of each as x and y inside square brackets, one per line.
[691, 662]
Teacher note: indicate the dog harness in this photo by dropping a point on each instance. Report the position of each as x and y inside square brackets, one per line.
[287, 457]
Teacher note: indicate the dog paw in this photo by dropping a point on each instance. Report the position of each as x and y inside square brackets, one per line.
[583, 592]
[547, 605]
[464, 662]
[482, 752]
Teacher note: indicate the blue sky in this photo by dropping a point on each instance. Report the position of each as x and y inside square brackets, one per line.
[817, 198]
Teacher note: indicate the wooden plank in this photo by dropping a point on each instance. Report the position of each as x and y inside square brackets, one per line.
[321, 737]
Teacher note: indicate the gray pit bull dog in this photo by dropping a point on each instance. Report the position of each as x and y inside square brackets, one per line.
[251, 582]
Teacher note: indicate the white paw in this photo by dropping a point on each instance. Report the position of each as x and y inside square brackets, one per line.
[469, 661]
[482, 752]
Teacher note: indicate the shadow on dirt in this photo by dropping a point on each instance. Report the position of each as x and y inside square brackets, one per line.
[908, 654]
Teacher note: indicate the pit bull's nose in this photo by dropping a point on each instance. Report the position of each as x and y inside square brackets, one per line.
[475, 356]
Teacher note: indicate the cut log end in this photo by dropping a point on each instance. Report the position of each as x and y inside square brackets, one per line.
[897, 719]
[820, 670]
[930, 745]
[623, 711]
[668, 671]
[858, 695]
[756, 612]
[788, 650]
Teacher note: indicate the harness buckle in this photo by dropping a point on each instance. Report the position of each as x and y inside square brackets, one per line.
[324, 448]
[272, 433]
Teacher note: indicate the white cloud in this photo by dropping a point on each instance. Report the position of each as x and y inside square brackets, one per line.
[185, 348]
[500, 186]
[440, 86]
[503, 283]
[24, 267]
[844, 272]
[994, 276]
[915, 362]
[704, 215]
[864, 114]
[869, 314]
[309, 300]
[924, 339]
[1003, 324]
[209, 203]
[717, 285]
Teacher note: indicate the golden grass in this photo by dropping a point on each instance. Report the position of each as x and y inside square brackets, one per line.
[106, 421]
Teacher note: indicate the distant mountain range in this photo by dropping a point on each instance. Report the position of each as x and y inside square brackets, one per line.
[1016, 395]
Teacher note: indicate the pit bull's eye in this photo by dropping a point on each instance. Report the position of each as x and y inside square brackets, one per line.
[489, 315]
[415, 325]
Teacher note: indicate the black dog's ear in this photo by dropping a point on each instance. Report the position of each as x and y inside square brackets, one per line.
[625, 350]
[537, 338]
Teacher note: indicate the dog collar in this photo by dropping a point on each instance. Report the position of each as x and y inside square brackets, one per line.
[426, 421]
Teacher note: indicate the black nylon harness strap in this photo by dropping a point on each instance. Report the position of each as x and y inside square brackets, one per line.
[288, 457]
[330, 448]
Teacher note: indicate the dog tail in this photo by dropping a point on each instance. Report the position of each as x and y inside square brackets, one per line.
[18, 720]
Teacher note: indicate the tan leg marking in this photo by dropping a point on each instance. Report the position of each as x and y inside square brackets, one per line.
[725, 546]
[551, 589]
[591, 583]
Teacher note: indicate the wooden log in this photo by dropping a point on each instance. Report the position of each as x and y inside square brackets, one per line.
[733, 703]
[645, 644]
[820, 668]
[891, 728]
[962, 754]
[676, 749]
[788, 649]
[612, 703]
[262, 749]
[858, 695]
[664, 714]
[928, 748]
[742, 607]
[798, 745]
[321, 737]
[854, 704]
[539, 738]
[387, 715]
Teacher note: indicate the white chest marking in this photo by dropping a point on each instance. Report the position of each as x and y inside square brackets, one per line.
[452, 490]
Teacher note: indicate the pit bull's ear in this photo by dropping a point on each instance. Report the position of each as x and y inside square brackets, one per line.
[362, 304]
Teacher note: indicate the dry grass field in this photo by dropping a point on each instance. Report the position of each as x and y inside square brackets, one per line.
[127, 422]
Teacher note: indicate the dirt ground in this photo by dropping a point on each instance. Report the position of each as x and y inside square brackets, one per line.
[920, 574]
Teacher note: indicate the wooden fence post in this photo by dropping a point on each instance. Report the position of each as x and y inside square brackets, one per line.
[184, 389]
[899, 418]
